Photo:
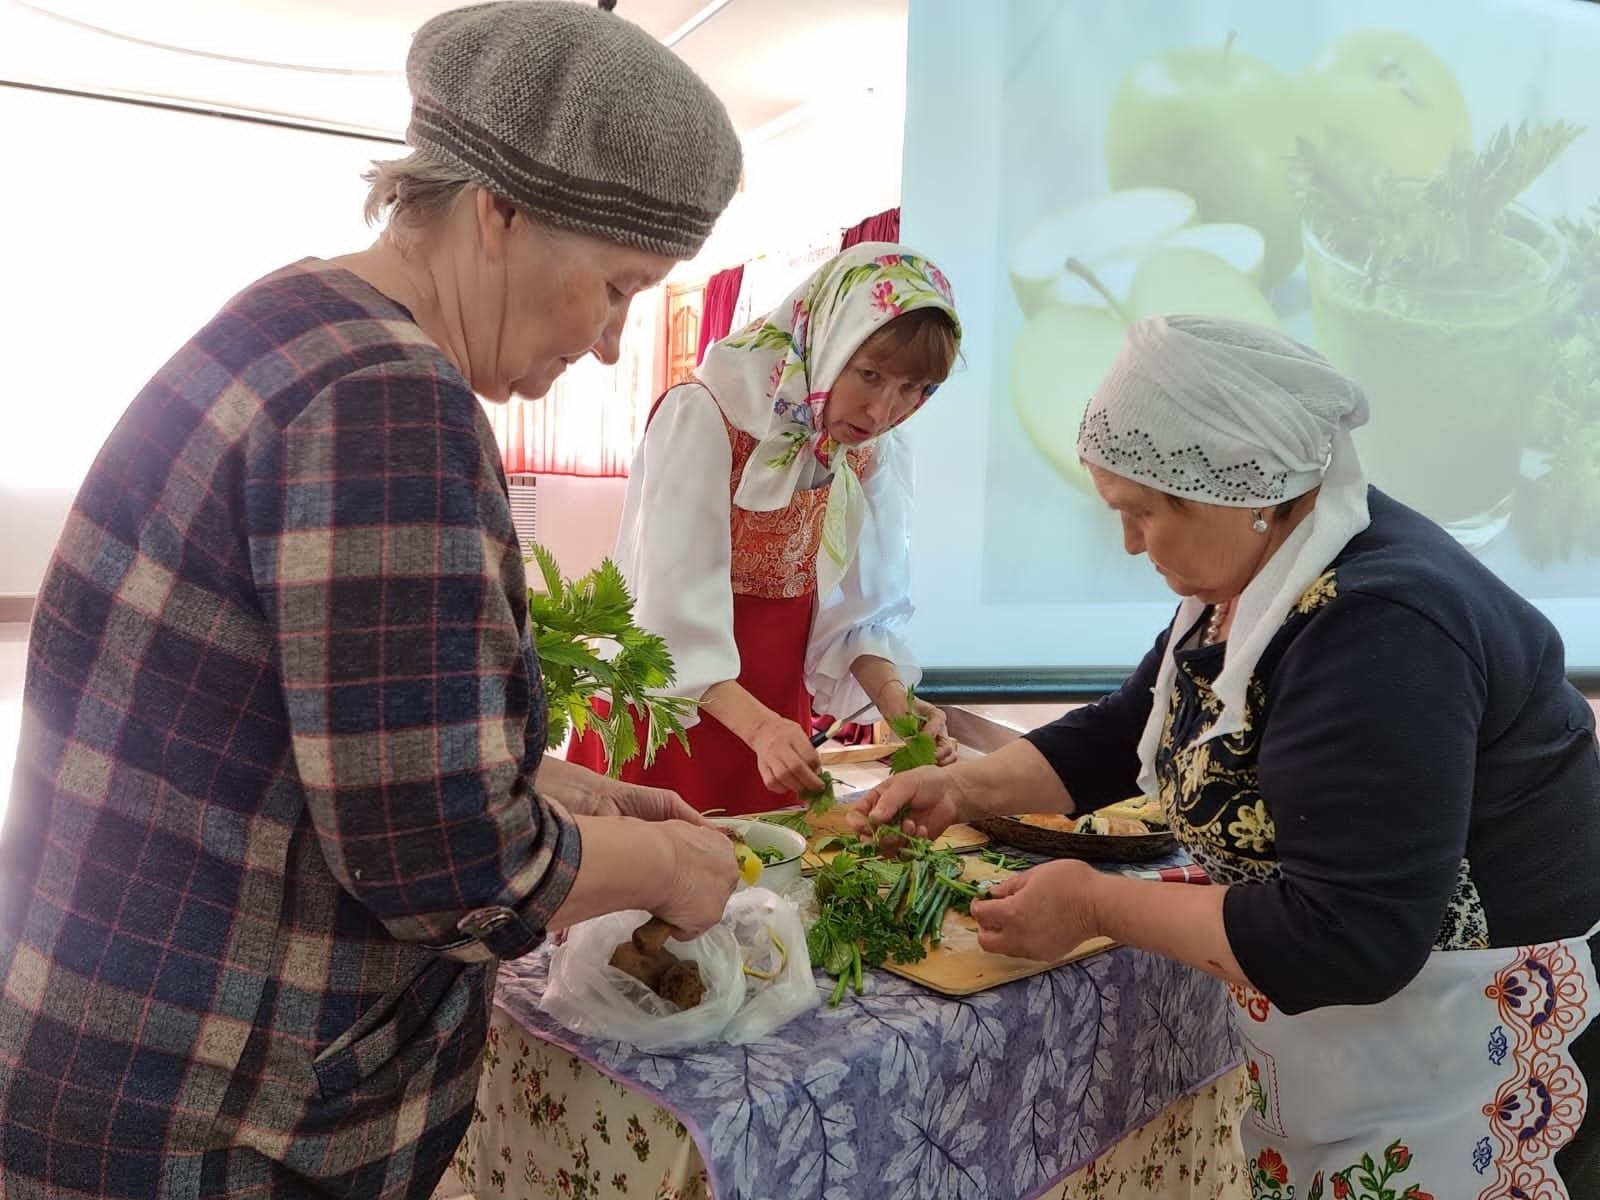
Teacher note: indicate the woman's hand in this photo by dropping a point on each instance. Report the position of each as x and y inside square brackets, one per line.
[931, 799]
[702, 876]
[788, 760]
[651, 804]
[586, 793]
[935, 725]
[1042, 913]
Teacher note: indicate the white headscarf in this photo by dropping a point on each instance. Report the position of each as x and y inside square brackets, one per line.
[772, 378]
[1226, 412]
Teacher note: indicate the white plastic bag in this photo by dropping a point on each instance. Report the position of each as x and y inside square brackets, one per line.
[590, 996]
[772, 941]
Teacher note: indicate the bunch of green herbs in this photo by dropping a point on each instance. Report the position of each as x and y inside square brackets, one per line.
[875, 908]
[589, 648]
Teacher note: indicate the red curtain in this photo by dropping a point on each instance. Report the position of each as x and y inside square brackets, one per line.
[716, 310]
[885, 227]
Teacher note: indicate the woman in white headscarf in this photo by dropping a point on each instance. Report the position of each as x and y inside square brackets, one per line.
[765, 530]
[1369, 742]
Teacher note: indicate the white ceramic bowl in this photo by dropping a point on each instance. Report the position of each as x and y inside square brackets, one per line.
[763, 835]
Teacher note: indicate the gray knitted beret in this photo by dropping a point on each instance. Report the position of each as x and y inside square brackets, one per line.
[578, 116]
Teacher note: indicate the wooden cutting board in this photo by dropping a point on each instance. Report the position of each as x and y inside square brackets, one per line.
[959, 967]
[960, 838]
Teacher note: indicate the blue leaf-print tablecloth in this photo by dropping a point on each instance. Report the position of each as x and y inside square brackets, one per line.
[917, 1094]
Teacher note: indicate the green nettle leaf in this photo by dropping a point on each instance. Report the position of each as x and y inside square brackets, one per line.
[588, 648]
[625, 743]
[649, 658]
[795, 820]
[606, 731]
[822, 800]
[556, 729]
[906, 726]
[561, 651]
[577, 715]
[919, 749]
[608, 590]
[548, 569]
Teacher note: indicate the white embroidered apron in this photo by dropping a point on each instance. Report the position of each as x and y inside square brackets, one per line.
[1461, 1087]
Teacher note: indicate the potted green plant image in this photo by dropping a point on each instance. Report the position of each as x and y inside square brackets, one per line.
[1438, 296]
[589, 649]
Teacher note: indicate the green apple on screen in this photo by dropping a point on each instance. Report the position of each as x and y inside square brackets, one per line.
[1065, 350]
[1057, 361]
[1241, 247]
[1219, 125]
[1106, 228]
[1111, 235]
[1387, 93]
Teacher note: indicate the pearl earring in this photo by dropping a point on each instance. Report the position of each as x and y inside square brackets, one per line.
[1260, 523]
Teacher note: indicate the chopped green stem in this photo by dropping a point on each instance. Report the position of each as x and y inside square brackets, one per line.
[838, 991]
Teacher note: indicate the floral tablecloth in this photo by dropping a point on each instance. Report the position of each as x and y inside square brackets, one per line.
[900, 1093]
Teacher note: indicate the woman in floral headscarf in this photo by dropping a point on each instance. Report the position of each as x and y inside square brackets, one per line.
[765, 531]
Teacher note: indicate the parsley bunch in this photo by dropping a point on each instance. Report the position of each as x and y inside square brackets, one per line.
[874, 909]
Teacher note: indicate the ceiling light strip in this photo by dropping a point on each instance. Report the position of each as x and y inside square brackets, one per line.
[694, 22]
[204, 108]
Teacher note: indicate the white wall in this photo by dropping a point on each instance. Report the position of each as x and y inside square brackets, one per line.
[134, 226]
[97, 296]
[812, 175]
[28, 530]
[578, 519]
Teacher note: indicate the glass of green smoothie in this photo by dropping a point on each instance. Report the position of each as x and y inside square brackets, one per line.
[1451, 366]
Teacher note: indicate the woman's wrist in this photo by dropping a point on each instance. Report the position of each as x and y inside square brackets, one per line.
[893, 699]
[568, 784]
[962, 779]
[763, 724]
[741, 713]
[626, 864]
[662, 867]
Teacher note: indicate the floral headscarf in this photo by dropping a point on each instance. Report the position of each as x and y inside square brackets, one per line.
[773, 377]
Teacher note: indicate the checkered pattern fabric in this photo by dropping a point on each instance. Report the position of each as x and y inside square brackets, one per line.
[272, 817]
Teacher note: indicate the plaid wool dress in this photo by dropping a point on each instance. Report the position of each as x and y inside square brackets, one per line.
[272, 820]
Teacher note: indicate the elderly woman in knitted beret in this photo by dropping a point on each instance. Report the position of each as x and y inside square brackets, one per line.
[1369, 743]
[280, 807]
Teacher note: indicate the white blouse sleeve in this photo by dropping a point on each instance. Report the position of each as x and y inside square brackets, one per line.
[868, 612]
[674, 544]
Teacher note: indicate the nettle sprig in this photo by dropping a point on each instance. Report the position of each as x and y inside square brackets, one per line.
[589, 648]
